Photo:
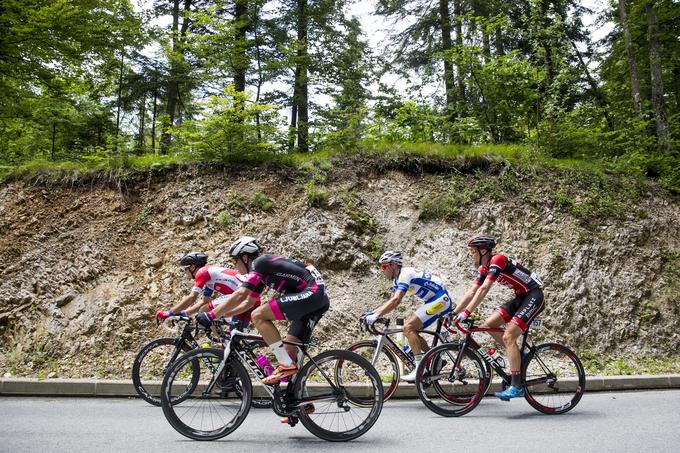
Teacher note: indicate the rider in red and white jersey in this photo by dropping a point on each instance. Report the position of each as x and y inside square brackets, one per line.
[517, 313]
[207, 281]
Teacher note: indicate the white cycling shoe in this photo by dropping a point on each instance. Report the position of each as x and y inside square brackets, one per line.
[411, 377]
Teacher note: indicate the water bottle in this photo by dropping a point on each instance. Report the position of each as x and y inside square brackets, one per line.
[496, 357]
[264, 364]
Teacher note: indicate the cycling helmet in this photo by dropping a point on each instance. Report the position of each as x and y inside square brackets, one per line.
[391, 256]
[482, 241]
[245, 245]
[200, 259]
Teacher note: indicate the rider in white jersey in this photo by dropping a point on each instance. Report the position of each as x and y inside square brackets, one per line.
[425, 286]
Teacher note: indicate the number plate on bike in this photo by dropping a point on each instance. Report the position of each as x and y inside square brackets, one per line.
[537, 324]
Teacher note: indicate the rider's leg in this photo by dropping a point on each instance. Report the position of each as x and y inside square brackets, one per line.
[494, 321]
[262, 318]
[411, 328]
[510, 336]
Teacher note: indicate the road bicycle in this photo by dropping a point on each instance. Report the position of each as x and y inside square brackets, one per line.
[337, 395]
[385, 354]
[452, 378]
[154, 358]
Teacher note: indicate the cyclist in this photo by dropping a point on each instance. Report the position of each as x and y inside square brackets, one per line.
[207, 281]
[302, 299]
[517, 313]
[427, 287]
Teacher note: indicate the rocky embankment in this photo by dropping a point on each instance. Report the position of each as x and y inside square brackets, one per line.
[86, 265]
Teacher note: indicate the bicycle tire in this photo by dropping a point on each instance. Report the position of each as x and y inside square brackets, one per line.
[358, 376]
[555, 364]
[446, 391]
[140, 384]
[387, 365]
[184, 416]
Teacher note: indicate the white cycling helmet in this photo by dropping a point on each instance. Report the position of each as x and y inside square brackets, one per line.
[246, 245]
[391, 256]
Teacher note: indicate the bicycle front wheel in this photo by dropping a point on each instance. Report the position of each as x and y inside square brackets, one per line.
[217, 405]
[386, 364]
[447, 389]
[338, 407]
[150, 365]
[554, 379]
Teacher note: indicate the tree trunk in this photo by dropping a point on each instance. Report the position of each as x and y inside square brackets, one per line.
[153, 116]
[118, 102]
[632, 64]
[240, 57]
[547, 44]
[142, 115]
[662, 129]
[172, 87]
[301, 78]
[458, 17]
[176, 69]
[447, 45]
[498, 39]
[54, 139]
[486, 44]
[260, 78]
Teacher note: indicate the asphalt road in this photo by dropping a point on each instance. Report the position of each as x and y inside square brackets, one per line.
[647, 421]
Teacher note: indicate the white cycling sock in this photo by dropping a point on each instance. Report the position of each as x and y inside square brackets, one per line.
[281, 353]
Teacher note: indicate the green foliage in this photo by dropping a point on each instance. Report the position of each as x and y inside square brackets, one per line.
[316, 196]
[262, 202]
[225, 219]
[228, 130]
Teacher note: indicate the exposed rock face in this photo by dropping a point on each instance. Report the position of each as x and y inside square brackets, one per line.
[86, 268]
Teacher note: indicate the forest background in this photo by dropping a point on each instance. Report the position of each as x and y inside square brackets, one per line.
[258, 80]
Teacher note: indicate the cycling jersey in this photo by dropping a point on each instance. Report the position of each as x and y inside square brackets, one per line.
[423, 285]
[209, 279]
[213, 278]
[427, 287]
[510, 273]
[283, 275]
[302, 297]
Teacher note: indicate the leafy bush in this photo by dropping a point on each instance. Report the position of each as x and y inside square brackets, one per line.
[316, 196]
[262, 202]
[225, 219]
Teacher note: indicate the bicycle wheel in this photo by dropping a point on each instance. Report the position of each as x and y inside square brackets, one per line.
[150, 365]
[448, 390]
[206, 415]
[386, 364]
[343, 409]
[554, 379]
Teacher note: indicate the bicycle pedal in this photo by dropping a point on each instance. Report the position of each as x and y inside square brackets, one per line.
[292, 421]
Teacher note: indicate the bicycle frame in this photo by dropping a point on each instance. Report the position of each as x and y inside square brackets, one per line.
[385, 340]
[469, 342]
[242, 345]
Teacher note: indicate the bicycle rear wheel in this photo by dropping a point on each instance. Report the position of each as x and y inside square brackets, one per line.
[449, 390]
[150, 365]
[345, 405]
[554, 379]
[386, 364]
[207, 415]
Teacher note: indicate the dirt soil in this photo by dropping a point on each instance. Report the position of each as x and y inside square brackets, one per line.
[86, 266]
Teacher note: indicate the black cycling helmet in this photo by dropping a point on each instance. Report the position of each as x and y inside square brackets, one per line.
[200, 259]
[482, 241]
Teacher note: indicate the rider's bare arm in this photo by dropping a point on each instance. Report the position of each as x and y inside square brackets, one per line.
[390, 304]
[480, 295]
[239, 296]
[205, 300]
[185, 302]
[465, 300]
[242, 307]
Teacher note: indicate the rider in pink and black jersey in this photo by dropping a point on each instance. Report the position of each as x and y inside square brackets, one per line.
[516, 313]
[301, 299]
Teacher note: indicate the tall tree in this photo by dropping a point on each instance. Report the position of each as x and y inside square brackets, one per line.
[662, 130]
[632, 63]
